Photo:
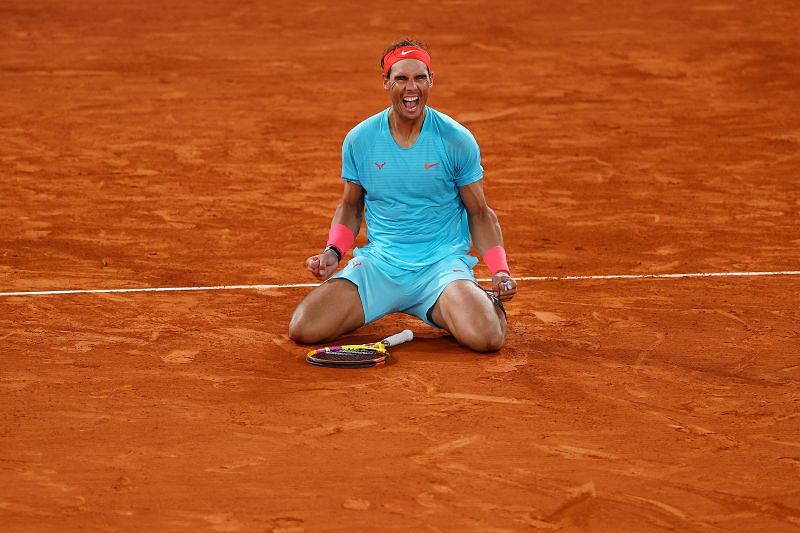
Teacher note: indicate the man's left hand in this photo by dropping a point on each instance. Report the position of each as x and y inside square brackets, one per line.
[504, 286]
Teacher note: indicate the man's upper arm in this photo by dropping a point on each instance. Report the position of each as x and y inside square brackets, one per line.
[473, 198]
[353, 195]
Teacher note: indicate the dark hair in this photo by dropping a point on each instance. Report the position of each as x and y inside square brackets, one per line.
[408, 41]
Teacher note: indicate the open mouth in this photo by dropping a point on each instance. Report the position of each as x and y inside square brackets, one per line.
[411, 103]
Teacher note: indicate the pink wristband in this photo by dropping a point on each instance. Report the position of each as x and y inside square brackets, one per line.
[495, 259]
[341, 237]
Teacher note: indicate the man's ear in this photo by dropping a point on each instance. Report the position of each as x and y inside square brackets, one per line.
[387, 83]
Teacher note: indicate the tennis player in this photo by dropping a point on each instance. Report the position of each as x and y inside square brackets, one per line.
[417, 175]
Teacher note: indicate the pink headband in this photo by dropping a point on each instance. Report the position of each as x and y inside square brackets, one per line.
[405, 52]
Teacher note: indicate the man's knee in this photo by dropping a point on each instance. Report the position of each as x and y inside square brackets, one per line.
[313, 321]
[487, 335]
[472, 317]
[298, 328]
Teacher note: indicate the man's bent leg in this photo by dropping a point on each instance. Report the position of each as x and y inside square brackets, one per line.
[329, 311]
[468, 313]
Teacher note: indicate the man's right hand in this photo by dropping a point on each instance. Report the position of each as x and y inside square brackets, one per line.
[322, 265]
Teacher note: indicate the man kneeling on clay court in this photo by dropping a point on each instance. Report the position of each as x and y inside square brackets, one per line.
[417, 174]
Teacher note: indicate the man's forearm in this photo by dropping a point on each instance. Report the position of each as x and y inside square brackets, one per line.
[349, 215]
[485, 230]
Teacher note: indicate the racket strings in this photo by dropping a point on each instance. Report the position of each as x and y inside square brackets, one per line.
[356, 354]
[350, 353]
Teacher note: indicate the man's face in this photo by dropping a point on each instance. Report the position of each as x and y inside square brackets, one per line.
[408, 85]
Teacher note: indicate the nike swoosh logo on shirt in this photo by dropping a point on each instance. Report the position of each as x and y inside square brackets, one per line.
[407, 52]
[430, 165]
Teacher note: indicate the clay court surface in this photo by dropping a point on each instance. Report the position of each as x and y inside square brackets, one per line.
[197, 144]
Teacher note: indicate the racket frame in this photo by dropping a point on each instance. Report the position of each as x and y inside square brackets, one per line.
[382, 355]
[380, 347]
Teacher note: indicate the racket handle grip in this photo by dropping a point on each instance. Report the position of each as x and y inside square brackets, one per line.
[398, 338]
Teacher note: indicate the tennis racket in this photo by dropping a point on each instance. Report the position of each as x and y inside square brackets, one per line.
[357, 355]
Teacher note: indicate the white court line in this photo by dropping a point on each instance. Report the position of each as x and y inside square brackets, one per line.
[298, 285]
